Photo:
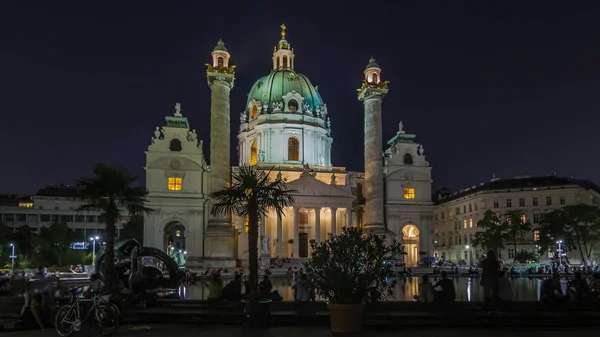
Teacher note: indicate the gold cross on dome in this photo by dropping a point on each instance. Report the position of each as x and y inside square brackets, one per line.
[283, 27]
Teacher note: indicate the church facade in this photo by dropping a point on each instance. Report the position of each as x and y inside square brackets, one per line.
[286, 128]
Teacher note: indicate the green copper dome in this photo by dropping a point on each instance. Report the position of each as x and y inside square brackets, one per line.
[372, 63]
[278, 83]
[220, 46]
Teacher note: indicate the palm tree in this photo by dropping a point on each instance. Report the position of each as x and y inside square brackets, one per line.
[251, 194]
[112, 193]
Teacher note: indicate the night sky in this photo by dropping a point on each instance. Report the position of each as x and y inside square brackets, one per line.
[511, 88]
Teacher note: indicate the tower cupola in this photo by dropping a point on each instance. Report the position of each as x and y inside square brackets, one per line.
[220, 56]
[283, 54]
[373, 72]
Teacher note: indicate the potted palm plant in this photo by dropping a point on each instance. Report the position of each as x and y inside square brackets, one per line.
[350, 270]
[252, 193]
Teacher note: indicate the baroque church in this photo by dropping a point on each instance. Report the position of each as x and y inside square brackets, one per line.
[286, 127]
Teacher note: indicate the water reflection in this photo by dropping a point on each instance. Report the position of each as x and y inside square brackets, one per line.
[524, 289]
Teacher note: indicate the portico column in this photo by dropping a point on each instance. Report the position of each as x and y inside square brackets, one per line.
[333, 220]
[263, 229]
[318, 224]
[349, 215]
[296, 233]
[279, 236]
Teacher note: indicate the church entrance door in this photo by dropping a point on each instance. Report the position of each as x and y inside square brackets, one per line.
[303, 244]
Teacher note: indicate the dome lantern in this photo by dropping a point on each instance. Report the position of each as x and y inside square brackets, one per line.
[373, 72]
[220, 55]
[283, 55]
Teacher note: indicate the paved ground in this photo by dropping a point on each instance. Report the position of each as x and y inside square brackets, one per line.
[233, 331]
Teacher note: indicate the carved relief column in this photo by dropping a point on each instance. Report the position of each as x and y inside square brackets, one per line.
[318, 224]
[296, 233]
[279, 236]
[371, 94]
[333, 220]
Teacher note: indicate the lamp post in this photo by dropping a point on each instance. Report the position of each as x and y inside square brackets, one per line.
[470, 255]
[12, 259]
[93, 239]
[559, 252]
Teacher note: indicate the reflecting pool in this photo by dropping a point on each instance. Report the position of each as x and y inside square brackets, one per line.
[524, 289]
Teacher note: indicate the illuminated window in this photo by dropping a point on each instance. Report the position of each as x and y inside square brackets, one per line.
[247, 224]
[253, 154]
[220, 62]
[523, 218]
[465, 223]
[409, 193]
[177, 233]
[470, 222]
[285, 61]
[175, 184]
[26, 204]
[254, 112]
[536, 235]
[293, 148]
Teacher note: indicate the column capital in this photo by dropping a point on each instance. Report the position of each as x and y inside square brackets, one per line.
[317, 209]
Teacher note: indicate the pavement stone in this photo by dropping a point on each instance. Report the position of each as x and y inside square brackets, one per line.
[234, 331]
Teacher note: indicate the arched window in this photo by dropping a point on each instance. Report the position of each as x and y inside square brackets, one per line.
[175, 145]
[254, 112]
[278, 62]
[253, 154]
[220, 61]
[285, 61]
[374, 77]
[408, 159]
[293, 149]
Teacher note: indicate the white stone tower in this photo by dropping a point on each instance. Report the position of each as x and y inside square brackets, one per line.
[219, 231]
[371, 93]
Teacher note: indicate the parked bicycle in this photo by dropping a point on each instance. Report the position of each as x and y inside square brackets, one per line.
[101, 313]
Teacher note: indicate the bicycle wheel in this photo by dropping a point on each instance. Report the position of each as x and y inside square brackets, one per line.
[66, 321]
[107, 319]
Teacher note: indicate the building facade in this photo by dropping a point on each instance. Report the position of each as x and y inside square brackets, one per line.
[456, 214]
[286, 128]
[53, 203]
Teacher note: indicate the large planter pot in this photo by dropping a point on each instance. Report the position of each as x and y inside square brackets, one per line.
[345, 318]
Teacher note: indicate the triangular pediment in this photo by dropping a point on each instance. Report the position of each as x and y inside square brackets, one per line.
[308, 185]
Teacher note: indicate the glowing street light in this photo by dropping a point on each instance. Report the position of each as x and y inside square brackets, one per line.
[12, 258]
[93, 239]
[559, 242]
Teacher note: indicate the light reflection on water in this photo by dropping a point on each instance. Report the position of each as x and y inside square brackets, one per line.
[524, 289]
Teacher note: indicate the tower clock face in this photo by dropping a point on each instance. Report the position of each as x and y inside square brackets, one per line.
[175, 164]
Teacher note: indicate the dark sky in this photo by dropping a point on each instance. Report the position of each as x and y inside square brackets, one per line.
[505, 87]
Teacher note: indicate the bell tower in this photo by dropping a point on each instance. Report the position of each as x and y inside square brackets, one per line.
[219, 232]
[371, 93]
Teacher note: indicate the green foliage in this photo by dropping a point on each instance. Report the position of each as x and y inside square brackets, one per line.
[24, 262]
[515, 229]
[526, 257]
[133, 229]
[4, 236]
[87, 259]
[491, 232]
[56, 240]
[112, 192]
[252, 194]
[345, 269]
[578, 226]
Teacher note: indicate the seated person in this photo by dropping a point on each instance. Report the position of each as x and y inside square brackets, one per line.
[447, 294]
[233, 290]
[265, 290]
[551, 294]
[578, 288]
[505, 293]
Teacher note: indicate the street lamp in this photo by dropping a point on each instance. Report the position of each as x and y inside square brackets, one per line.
[93, 239]
[12, 258]
[470, 255]
[559, 251]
